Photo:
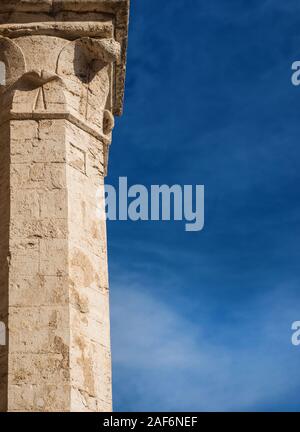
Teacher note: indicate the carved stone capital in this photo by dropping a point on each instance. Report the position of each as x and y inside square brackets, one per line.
[57, 65]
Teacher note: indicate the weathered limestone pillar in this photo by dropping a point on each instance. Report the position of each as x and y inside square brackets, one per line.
[65, 67]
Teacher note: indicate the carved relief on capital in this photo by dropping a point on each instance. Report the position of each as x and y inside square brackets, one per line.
[13, 59]
[51, 76]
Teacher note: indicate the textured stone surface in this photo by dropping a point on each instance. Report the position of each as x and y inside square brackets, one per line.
[64, 81]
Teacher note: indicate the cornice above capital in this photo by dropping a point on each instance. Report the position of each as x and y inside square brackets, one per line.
[55, 5]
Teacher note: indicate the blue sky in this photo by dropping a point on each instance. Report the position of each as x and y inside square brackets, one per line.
[201, 320]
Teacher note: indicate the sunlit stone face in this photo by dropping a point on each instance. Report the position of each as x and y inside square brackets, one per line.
[61, 79]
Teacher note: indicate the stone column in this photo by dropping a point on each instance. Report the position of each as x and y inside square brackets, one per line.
[65, 65]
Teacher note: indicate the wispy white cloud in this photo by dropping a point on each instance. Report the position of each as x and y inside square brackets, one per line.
[165, 361]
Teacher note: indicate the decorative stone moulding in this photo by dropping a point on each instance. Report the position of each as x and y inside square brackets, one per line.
[65, 61]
